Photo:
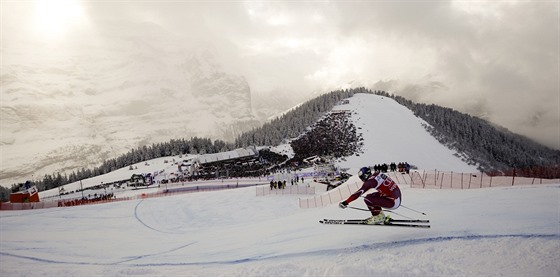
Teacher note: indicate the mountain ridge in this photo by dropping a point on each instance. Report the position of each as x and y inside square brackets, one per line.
[48, 110]
[279, 130]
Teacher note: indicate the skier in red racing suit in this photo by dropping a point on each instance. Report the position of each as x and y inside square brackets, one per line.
[388, 194]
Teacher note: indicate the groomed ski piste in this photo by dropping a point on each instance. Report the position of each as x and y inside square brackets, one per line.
[501, 231]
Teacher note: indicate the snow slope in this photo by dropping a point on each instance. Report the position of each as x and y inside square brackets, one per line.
[489, 232]
[392, 133]
[506, 231]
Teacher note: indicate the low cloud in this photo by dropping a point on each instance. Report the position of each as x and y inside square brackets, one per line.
[498, 60]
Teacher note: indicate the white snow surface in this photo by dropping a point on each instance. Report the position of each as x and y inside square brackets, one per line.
[480, 232]
[392, 133]
[503, 231]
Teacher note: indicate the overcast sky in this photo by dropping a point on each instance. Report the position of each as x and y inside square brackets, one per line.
[499, 60]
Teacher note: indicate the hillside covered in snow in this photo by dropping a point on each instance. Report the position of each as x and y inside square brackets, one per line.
[389, 131]
[510, 231]
[482, 232]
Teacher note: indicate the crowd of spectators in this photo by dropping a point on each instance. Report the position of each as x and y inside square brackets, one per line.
[335, 135]
[278, 184]
[282, 184]
[400, 167]
[266, 163]
[86, 200]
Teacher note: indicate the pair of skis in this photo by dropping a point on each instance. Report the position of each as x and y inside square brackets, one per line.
[413, 223]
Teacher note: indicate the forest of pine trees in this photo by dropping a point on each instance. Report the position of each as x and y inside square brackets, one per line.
[173, 147]
[495, 150]
[491, 148]
[295, 122]
[333, 136]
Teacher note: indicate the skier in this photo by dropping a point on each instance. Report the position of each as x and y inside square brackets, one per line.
[388, 195]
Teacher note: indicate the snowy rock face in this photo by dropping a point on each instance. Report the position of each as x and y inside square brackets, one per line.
[68, 113]
[226, 95]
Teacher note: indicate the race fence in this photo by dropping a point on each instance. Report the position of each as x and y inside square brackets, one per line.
[161, 193]
[454, 180]
[416, 179]
[330, 197]
[265, 190]
[425, 180]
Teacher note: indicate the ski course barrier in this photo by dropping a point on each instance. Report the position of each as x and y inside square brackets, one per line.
[296, 189]
[330, 197]
[162, 192]
[424, 180]
[459, 180]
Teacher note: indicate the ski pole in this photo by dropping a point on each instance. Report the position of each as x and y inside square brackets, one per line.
[413, 210]
[359, 209]
[389, 211]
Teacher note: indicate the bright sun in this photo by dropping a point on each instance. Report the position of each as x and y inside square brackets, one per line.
[56, 17]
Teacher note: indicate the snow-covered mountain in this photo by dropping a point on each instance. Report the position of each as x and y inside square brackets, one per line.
[396, 136]
[68, 113]
[478, 231]
[392, 133]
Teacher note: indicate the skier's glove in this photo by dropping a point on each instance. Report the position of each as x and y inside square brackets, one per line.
[343, 204]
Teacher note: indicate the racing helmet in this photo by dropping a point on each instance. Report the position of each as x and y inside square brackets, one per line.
[364, 173]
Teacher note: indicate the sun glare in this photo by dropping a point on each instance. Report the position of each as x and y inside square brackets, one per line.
[56, 17]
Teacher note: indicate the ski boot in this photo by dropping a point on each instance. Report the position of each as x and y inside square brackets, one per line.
[377, 219]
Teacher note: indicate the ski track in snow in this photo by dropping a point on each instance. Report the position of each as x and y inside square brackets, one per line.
[125, 259]
[374, 246]
[143, 223]
[156, 254]
[323, 252]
